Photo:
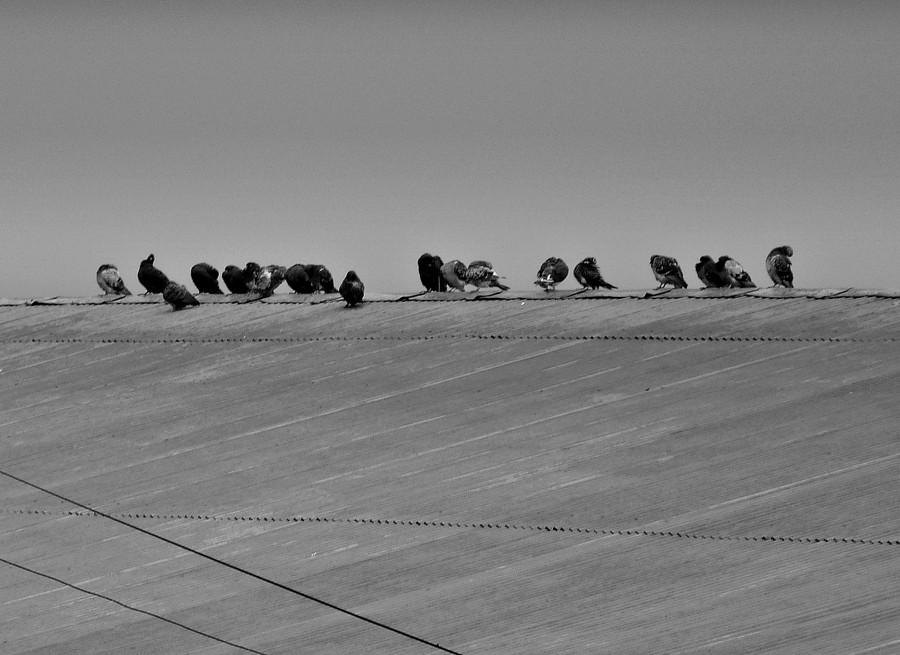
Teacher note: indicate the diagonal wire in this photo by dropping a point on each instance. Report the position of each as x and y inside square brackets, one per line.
[234, 567]
[130, 607]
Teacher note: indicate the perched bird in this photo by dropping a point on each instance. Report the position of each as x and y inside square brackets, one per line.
[206, 278]
[322, 277]
[667, 271]
[352, 289]
[430, 272]
[110, 281]
[297, 279]
[153, 279]
[552, 272]
[178, 296]
[454, 274]
[778, 266]
[263, 279]
[733, 272]
[588, 274]
[233, 277]
[710, 275]
[482, 274]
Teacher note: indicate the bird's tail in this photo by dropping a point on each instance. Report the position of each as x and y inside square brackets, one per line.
[607, 285]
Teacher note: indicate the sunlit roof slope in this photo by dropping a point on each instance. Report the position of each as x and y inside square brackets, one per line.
[675, 472]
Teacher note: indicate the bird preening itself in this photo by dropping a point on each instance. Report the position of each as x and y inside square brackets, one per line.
[734, 273]
[206, 278]
[552, 272]
[588, 274]
[710, 274]
[482, 275]
[778, 266]
[109, 280]
[454, 274]
[263, 279]
[430, 272]
[310, 278]
[233, 277]
[178, 296]
[667, 271]
[153, 279]
[352, 289]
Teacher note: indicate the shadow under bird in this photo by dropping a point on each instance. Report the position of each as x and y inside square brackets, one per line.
[667, 271]
[178, 296]
[152, 279]
[778, 266]
[482, 275]
[588, 274]
[352, 289]
[454, 274]
[553, 271]
[206, 278]
[734, 273]
[110, 282]
[430, 272]
[233, 277]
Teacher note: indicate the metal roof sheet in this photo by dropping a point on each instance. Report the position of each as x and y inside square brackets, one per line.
[526, 473]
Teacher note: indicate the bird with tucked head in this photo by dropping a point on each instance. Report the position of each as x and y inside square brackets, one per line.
[206, 278]
[588, 274]
[352, 289]
[778, 266]
[178, 296]
[110, 282]
[553, 271]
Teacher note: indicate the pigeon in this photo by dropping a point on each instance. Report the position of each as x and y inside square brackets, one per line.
[110, 281]
[206, 278]
[710, 275]
[153, 279]
[178, 296]
[730, 270]
[430, 272]
[352, 289]
[552, 272]
[667, 271]
[322, 277]
[297, 279]
[263, 279]
[482, 274]
[588, 274]
[454, 274]
[778, 266]
[233, 277]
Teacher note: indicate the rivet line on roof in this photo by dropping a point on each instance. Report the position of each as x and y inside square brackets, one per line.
[605, 337]
[480, 526]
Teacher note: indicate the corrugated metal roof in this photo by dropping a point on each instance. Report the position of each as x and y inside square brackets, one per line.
[533, 473]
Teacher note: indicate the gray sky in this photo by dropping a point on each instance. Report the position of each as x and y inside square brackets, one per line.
[360, 135]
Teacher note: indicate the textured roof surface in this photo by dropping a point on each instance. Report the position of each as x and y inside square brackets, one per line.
[540, 473]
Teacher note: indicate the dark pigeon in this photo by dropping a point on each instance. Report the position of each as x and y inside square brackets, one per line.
[233, 277]
[153, 279]
[297, 279]
[178, 296]
[352, 289]
[710, 275]
[553, 271]
[588, 274]
[206, 278]
[109, 280]
[735, 274]
[430, 272]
